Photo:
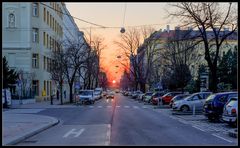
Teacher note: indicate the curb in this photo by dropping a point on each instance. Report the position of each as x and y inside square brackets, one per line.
[32, 133]
[233, 133]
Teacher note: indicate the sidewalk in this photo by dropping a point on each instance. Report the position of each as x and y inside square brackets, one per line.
[43, 104]
[17, 127]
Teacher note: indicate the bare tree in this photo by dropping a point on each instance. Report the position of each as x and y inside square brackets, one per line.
[205, 17]
[130, 44]
[76, 55]
[98, 46]
[58, 65]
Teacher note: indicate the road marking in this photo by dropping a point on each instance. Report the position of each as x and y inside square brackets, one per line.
[126, 106]
[117, 106]
[107, 142]
[222, 138]
[135, 107]
[99, 106]
[182, 121]
[144, 106]
[77, 133]
[109, 106]
[198, 128]
[91, 106]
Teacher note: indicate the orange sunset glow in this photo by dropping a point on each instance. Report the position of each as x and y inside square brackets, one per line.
[112, 14]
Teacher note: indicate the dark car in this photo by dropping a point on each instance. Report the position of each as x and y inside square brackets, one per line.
[178, 97]
[214, 104]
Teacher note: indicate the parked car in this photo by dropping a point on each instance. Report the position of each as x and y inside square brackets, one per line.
[104, 93]
[214, 104]
[177, 98]
[168, 96]
[147, 97]
[135, 94]
[230, 111]
[98, 93]
[187, 104]
[140, 96]
[86, 96]
[110, 95]
[156, 96]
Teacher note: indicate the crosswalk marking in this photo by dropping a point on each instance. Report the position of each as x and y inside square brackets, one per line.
[91, 106]
[135, 107]
[109, 106]
[144, 106]
[99, 106]
[126, 106]
[118, 106]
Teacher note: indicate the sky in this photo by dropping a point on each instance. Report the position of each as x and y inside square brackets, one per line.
[112, 14]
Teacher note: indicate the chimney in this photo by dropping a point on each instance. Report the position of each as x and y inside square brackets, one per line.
[168, 28]
[177, 28]
[189, 28]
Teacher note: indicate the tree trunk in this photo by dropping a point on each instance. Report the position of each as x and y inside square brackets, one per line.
[213, 84]
[70, 93]
[61, 97]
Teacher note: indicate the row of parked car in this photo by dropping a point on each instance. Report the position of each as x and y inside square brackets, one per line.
[214, 106]
[90, 96]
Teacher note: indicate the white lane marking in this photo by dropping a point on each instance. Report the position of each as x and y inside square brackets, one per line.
[77, 133]
[182, 121]
[126, 106]
[107, 142]
[99, 106]
[109, 106]
[135, 107]
[117, 106]
[198, 128]
[222, 138]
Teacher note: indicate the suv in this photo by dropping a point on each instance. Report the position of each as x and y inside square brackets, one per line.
[214, 104]
[196, 99]
[86, 96]
[168, 97]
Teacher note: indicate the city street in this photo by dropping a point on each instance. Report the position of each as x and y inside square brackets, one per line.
[122, 121]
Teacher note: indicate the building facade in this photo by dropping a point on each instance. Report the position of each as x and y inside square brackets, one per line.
[31, 30]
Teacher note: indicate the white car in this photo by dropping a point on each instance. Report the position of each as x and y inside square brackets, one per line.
[188, 103]
[230, 111]
[86, 96]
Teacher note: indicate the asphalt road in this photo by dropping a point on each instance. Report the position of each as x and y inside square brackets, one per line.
[121, 121]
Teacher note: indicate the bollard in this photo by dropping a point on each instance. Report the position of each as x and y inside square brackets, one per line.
[51, 99]
[194, 110]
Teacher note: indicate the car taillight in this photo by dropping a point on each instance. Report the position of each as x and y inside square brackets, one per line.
[234, 111]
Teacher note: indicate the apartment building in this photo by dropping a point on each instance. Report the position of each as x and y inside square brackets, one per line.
[31, 30]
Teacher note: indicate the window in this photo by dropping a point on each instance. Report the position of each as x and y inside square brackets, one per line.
[44, 14]
[44, 62]
[35, 9]
[35, 85]
[47, 17]
[35, 35]
[11, 20]
[223, 99]
[47, 41]
[35, 61]
[44, 38]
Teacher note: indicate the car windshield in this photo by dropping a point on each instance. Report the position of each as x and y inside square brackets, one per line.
[211, 97]
[180, 97]
[85, 93]
[149, 94]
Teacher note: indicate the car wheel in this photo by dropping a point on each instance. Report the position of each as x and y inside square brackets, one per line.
[184, 108]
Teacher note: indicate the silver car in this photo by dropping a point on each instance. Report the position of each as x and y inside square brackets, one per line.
[230, 111]
[195, 100]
